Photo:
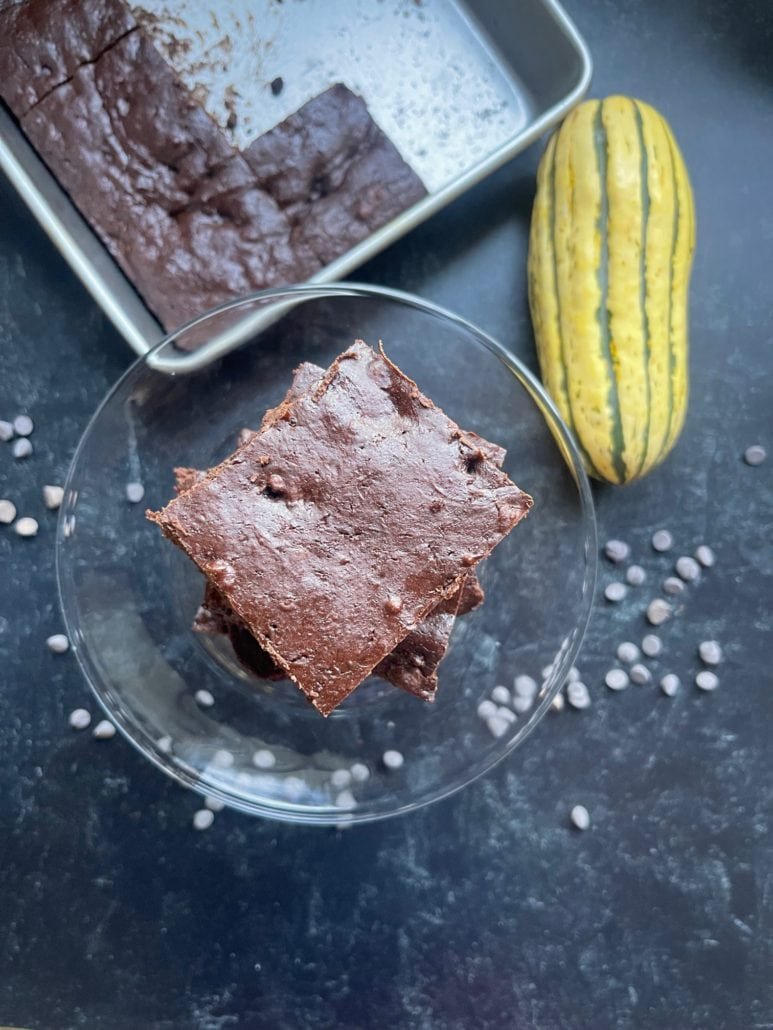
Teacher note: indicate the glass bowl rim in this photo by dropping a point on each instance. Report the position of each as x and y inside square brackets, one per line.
[286, 811]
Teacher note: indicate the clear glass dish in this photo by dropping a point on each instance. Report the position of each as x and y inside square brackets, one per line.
[129, 596]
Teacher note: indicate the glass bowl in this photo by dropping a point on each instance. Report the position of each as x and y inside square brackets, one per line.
[129, 596]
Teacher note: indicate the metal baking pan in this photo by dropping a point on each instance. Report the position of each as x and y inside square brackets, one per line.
[459, 88]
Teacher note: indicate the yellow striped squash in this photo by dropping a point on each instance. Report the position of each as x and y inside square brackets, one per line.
[610, 252]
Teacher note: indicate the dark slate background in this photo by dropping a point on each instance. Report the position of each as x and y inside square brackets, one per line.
[486, 910]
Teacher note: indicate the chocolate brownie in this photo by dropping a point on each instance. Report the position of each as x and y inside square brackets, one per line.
[191, 221]
[347, 519]
[44, 42]
[335, 173]
[173, 202]
[413, 664]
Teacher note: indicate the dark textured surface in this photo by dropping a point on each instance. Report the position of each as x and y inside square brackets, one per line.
[484, 910]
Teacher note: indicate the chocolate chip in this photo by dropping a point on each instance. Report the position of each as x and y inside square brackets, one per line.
[22, 448]
[662, 540]
[23, 425]
[394, 604]
[635, 575]
[134, 492]
[658, 611]
[670, 684]
[705, 556]
[616, 550]
[53, 497]
[26, 526]
[616, 679]
[7, 512]
[277, 85]
[58, 643]
[579, 817]
[615, 592]
[754, 455]
[627, 652]
[203, 819]
[688, 568]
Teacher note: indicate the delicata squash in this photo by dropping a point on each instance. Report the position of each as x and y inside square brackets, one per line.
[610, 253]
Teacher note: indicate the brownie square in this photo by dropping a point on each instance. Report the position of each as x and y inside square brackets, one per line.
[349, 517]
[336, 175]
[44, 42]
[173, 202]
[413, 664]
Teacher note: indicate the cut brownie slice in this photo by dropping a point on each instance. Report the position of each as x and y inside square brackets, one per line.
[413, 664]
[344, 522]
[44, 42]
[177, 207]
[190, 220]
[336, 175]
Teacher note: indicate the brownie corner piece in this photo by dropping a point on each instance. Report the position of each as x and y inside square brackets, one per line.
[339, 526]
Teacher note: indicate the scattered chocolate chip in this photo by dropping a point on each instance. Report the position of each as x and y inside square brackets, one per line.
[710, 652]
[497, 725]
[755, 455]
[652, 645]
[264, 759]
[525, 686]
[688, 568]
[22, 448]
[577, 695]
[670, 684]
[23, 425]
[53, 497]
[26, 526]
[616, 550]
[615, 592]
[640, 674]
[705, 556]
[616, 679]
[579, 817]
[672, 585]
[635, 575]
[662, 540]
[79, 719]
[7, 512]
[134, 492]
[341, 778]
[707, 680]
[277, 85]
[104, 730]
[658, 611]
[58, 643]
[627, 652]
[360, 772]
[203, 819]
[394, 604]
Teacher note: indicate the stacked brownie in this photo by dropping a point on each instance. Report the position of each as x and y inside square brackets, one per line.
[191, 220]
[342, 537]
